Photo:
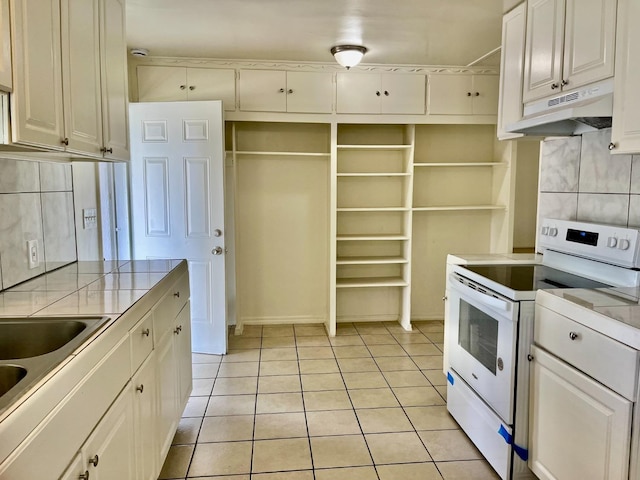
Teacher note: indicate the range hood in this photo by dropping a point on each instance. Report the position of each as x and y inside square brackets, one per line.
[571, 113]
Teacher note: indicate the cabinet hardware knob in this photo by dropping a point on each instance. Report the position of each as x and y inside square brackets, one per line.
[84, 476]
[468, 94]
[281, 90]
[564, 83]
[290, 90]
[94, 461]
[378, 93]
[140, 388]
[178, 330]
[386, 93]
[176, 294]
[65, 141]
[106, 150]
[530, 357]
[146, 332]
[477, 94]
[192, 87]
[573, 335]
[554, 86]
[612, 146]
[182, 87]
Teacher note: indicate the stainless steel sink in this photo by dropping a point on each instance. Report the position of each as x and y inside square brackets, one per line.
[31, 347]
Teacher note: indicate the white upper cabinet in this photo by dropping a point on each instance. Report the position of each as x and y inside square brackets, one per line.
[36, 103]
[375, 93]
[6, 82]
[625, 131]
[71, 76]
[570, 43]
[170, 84]
[511, 72]
[463, 94]
[280, 91]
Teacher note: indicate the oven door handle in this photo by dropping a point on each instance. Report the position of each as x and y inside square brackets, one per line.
[483, 298]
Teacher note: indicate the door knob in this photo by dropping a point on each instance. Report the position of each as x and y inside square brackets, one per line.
[217, 232]
[217, 251]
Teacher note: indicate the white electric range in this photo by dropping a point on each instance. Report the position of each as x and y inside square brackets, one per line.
[489, 329]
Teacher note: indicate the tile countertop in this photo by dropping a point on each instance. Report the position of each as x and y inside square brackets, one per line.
[494, 258]
[612, 312]
[85, 288]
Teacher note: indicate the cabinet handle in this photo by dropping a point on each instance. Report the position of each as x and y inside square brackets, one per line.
[146, 332]
[94, 461]
[554, 86]
[192, 87]
[84, 476]
[177, 294]
[386, 93]
[564, 83]
[106, 150]
[573, 335]
[612, 146]
[477, 94]
[281, 90]
[140, 388]
[65, 141]
[182, 87]
[290, 90]
[178, 330]
[378, 93]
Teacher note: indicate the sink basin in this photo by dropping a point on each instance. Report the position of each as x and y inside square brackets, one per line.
[31, 347]
[31, 338]
[10, 375]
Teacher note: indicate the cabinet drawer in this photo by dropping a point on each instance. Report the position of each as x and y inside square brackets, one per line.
[181, 293]
[602, 358]
[141, 340]
[169, 307]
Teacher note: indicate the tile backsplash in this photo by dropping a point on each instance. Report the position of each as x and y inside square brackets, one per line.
[36, 203]
[581, 180]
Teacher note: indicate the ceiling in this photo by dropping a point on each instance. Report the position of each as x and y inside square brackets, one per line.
[401, 32]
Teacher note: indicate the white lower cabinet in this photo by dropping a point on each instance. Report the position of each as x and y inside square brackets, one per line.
[144, 385]
[167, 393]
[578, 427]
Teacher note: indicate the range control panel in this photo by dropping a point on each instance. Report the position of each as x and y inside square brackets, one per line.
[606, 243]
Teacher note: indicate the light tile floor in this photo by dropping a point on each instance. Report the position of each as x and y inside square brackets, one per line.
[290, 403]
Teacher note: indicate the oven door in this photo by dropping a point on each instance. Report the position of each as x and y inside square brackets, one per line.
[482, 342]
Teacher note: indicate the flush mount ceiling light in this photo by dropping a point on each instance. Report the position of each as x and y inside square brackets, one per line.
[348, 55]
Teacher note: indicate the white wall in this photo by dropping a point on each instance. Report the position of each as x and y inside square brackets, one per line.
[86, 195]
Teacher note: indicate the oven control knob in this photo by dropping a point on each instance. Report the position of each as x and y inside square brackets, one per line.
[612, 242]
[623, 244]
[553, 231]
[545, 231]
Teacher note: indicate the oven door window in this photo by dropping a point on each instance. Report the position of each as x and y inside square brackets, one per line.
[478, 335]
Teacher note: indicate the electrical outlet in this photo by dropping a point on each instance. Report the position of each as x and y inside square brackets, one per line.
[90, 218]
[33, 254]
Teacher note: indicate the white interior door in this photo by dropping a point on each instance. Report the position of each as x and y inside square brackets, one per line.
[177, 203]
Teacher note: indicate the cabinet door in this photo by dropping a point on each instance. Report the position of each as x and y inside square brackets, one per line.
[589, 41]
[625, 131]
[543, 51]
[577, 427]
[212, 84]
[81, 75]
[115, 93]
[511, 70]
[162, 84]
[263, 91]
[484, 95]
[183, 353]
[144, 417]
[450, 94]
[6, 82]
[75, 469]
[402, 94]
[358, 93]
[167, 392]
[309, 92]
[109, 451]
[37, 104]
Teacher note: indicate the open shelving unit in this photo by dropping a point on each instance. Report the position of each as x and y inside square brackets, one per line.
[374, 170]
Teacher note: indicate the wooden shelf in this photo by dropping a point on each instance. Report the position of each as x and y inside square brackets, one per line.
[462, 164]
[458, 208]
[380, 174]
[374, 147]
[284, 154]
[370, 260]
[373, 209]
[371, 282]
[372, 237]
